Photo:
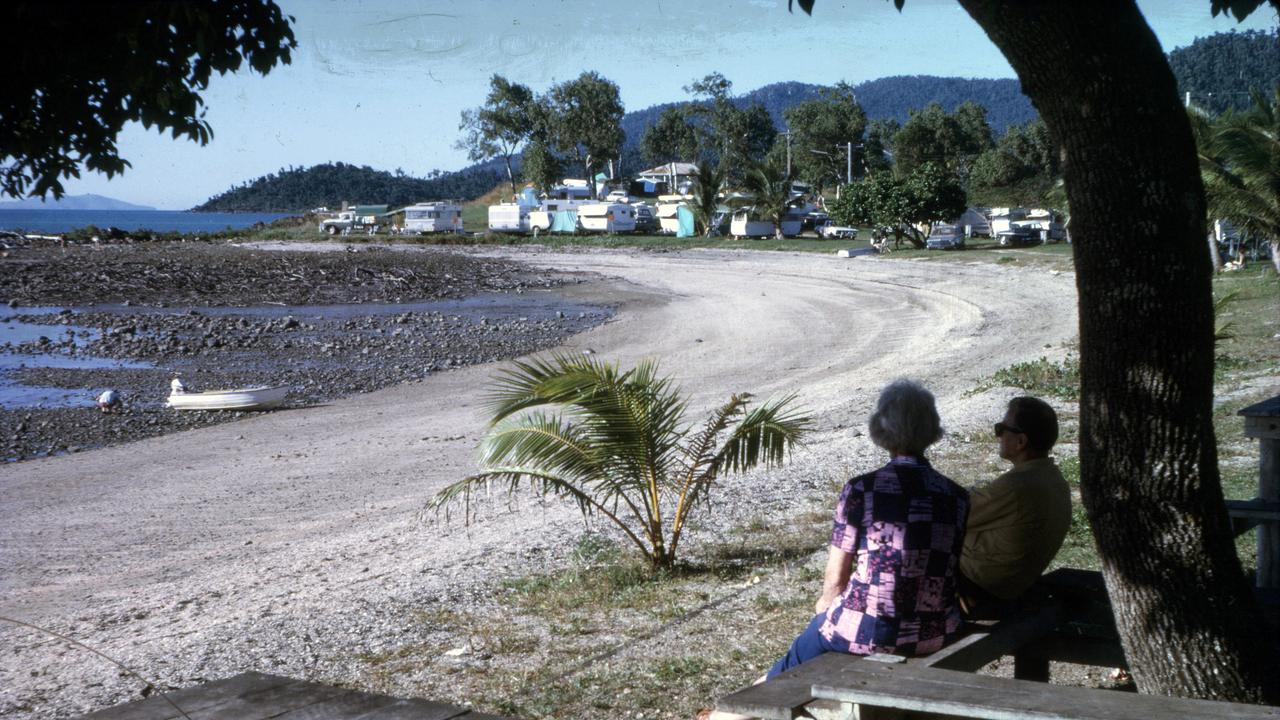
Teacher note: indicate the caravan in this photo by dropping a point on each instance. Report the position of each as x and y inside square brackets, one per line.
[607, 217]
[433, 217]
[746, 223]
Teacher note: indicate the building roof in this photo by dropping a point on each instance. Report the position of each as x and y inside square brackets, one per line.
[681, 168]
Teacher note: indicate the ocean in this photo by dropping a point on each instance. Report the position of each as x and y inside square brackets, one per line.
[56, 221]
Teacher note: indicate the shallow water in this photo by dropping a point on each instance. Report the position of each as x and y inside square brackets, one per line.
[494, 306]
[534, 305]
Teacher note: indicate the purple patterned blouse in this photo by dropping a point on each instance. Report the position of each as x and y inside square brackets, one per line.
[904, 523]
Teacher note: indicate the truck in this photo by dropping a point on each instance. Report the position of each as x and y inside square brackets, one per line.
[360, 217]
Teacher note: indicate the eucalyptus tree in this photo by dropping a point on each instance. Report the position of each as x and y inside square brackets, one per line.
[540, 166]
[1185, 611]
[1021, 169]
[117, 63]
[951, 140]
[584, 117]
[823, 130]
[733, 136]
[878, 147]
[672, 138]
[500, 126]
[618, 445]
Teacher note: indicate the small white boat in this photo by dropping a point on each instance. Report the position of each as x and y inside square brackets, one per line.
[260, 398]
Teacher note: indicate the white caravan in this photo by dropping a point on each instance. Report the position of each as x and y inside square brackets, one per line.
[746, 223]
[433, 217]
[667, 212]
[1046, 222]
[607, 217]
[509, 218]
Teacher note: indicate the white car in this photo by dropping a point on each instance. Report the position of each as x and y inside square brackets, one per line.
[838, 232]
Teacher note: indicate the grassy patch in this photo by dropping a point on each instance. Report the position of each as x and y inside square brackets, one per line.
[1052, 256]
[1041, 377]
[619, 638]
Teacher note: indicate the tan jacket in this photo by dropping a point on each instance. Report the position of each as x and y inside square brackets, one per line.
[1016, 525]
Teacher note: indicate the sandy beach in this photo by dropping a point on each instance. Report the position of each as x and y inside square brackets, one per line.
[292, 541]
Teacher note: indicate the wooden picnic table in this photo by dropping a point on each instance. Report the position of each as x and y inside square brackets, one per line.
[876, 687]
[258, 696]
[1066, 618]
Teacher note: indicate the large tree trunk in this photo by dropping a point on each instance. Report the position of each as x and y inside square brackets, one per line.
[1149, 475]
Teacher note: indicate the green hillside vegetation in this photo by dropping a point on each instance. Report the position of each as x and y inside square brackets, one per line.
[1220, 70]
[328, 185]
[1014, 165]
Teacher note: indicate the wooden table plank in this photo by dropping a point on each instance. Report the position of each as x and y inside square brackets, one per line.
[986, 645]
[257, 696]
[269, 703]
[784, 697]
[933, 690]
[190, 699]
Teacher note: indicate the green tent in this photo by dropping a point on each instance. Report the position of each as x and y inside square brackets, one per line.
[564, 221]
[684, 219]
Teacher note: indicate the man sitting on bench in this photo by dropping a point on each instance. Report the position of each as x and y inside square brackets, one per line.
[1018, 521]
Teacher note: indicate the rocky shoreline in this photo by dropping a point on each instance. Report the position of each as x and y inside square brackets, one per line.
[325, 324]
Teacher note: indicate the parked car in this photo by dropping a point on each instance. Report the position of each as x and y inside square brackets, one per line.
[814, 221]
[1018, 235]
[945, 237]
[646, 221]
[844, 232]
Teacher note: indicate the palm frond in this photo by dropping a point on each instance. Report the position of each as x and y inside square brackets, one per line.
[763, 436]
[557, 446]
[543, 381]
[1240, 165]
[542, 482]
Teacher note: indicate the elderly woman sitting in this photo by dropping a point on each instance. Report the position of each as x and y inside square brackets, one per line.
[890, 584]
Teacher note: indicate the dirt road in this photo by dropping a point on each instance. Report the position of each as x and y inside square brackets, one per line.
[291, 542]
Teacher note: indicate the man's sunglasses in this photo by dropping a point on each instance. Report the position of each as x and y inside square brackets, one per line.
[1002, 428]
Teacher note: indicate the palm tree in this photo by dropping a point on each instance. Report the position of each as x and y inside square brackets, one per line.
[770, 185]
[705, 201]
[1240, 165]
[620, 447]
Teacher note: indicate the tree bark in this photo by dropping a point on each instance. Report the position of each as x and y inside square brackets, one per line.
[1215, 257]
[1149, 475]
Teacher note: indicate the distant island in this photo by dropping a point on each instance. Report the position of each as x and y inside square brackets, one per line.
[72, 202]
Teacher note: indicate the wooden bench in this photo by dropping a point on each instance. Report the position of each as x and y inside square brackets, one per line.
[870, 690]
[257, 696]
[1065, 618]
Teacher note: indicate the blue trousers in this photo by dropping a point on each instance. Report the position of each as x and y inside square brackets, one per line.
[808, 645]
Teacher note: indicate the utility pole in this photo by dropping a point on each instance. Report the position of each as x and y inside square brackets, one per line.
[848, 163]
[787, 135]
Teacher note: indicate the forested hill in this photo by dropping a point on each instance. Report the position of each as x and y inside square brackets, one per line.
[891, 97]
[1220, 70]
[297, 189]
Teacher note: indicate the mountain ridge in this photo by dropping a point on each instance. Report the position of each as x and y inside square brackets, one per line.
[87, 201]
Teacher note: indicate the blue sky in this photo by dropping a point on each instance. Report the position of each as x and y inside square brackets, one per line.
[382, 82]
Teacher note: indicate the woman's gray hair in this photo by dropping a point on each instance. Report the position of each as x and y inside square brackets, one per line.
[906, 419]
